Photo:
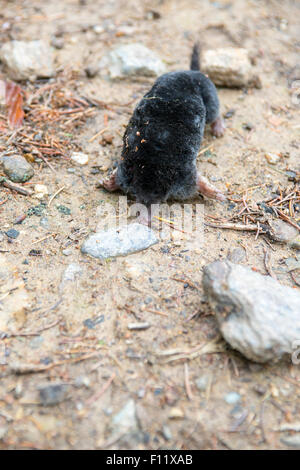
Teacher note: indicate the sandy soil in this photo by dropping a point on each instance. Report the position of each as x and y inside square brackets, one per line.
[117, 364]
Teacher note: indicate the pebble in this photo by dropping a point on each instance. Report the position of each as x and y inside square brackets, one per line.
[90, 323]
[44, 222]
[1, 236]
[82, 381]
[166, 432]
[41, 191]
[126, 418]
[132, 59]
[237, 255]
[291, 441]
[141, 393]
[176, 413]
[72, 271]
[119, 242]
[12, 233]
[27, 60]
[98, 29]
[67, 252]
[232, 398]
[17, 168]
[57, 42]
[256, 314]
[36, 342]
[91, 71]
[295, 243]
[3, 431]
[229, 67]
[272, 158]
[80, 158]
[282, 232]
[202, 383]
[53, 394]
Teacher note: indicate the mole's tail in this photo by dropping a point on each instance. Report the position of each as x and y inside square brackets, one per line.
[195, 60]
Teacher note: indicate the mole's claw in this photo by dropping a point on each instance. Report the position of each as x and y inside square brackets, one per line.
[110, 183]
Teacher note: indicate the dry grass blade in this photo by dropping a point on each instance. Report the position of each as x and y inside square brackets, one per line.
[179, 354]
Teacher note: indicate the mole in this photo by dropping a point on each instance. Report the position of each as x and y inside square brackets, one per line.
[163, 137]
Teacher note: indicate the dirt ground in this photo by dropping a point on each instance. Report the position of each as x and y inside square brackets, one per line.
[77, 334]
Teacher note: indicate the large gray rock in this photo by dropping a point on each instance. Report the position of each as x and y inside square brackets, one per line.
[229, 67]
[27, 60]
[17, 168]
[119, 242]
[132, 59]
[256, 315]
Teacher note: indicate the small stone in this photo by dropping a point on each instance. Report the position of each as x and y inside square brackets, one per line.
[141, 393]
[40, 191]
[237, 255]
[202, 383]
[36, 342]
[67, 252]
[80, 158]
[92, 322]
[27, 60]
[176, 413]
[119, 242]
[291, 441]
[17, 168]
[232, 398]
[3, 431]
[260, 389]
[292, 263]
[132, 59]
[256, 314]
[57, 42]
[98, 29]
[63, 209]
[1, 236]
[91, 71]
[248, 126]
[44, 222]
[292, 175]
[82, 381]
[126, 418]
[166, 432]
[53, 394]
[71, 272]
[229, 114]
[12, 233]
[282, 232]
[272, 158]
[295, 243]
[230, 67]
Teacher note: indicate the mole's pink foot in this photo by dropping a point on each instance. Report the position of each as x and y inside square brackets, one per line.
[110, 183]
[218, 127]
[209, 190]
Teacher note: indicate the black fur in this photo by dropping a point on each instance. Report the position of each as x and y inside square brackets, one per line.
[195, 61]
[164, 134]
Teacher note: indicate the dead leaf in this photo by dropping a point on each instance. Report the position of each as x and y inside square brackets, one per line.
[14, 103]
